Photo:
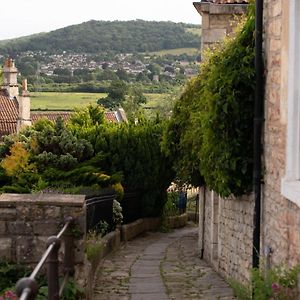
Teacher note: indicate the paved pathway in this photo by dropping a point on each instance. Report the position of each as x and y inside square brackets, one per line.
[159, 266]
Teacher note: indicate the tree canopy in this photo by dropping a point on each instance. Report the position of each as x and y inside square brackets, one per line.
[99, 36]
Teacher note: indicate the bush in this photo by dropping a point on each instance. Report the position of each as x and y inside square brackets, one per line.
[278, 283]
[212, 126]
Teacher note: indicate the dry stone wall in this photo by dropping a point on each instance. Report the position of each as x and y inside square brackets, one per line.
[228, 235]
[26, 221]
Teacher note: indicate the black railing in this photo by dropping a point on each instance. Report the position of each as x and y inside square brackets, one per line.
[100, 208]
[131, 207]
[27, 287]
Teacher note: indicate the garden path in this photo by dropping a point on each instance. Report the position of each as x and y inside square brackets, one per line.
[160, 266]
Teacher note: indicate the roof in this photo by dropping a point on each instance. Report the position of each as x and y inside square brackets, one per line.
[227, 1]
[110, 116]
[52, 116]
[9, 113]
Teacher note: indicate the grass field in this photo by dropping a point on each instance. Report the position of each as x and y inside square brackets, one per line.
[51, 100]
[154, 99]
[178, 51]
[66, 101]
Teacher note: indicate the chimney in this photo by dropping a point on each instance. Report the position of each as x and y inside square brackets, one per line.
[121, 115]
[10, 73]
[24, 107]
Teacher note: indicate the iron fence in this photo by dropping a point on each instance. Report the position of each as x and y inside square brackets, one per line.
[27, 287]
[131, 207]
[100, 208]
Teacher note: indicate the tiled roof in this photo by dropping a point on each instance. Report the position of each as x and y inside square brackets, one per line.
[227, 1]
[111, 116]
[9, 109]
[52, 116]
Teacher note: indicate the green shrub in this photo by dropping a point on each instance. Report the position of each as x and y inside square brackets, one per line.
[278, 283]
[117, 213]
[94, 246]
[211, 130]
[10, 273]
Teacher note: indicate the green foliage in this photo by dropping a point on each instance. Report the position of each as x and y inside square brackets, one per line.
[116, 94]
[73, 291]
[121, 36]
[133, 102]
[171, 206]
[10, 273]
[117, 213]
[94, 246]
[88, 154]
[211, 131]
[241, 291]
[278, 283]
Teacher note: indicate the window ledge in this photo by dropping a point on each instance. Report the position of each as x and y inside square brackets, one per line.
[291, 190]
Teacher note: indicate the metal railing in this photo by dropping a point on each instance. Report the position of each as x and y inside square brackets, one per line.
[27, 287]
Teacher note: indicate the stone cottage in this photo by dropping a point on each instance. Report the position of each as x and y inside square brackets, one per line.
[15, 107]
[226, 226]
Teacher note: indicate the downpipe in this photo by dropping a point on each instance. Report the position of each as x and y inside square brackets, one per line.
[258, 121]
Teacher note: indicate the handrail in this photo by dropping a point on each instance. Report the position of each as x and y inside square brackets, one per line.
[27, 287]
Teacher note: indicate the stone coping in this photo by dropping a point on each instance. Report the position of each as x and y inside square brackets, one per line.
[42, 199]
[221, 9]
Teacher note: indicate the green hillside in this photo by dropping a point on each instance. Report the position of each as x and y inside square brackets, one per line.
[100, 36]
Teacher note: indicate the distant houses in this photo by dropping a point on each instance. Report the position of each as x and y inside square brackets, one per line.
[15, 107]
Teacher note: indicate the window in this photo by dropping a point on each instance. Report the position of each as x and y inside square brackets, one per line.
[290, 187]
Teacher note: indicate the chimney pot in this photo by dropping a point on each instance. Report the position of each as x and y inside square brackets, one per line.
[24, 85]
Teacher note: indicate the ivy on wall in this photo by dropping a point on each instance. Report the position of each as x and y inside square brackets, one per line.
[212, 124]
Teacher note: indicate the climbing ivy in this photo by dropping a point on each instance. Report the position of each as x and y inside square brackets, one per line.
[211, 131]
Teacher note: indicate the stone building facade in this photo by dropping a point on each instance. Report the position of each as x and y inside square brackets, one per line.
[228, 224]
[281, 194]
[218, 19]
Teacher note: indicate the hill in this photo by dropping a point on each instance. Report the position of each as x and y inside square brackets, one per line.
[101, 36]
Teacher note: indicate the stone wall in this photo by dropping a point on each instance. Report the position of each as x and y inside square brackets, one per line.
[228, 235]
[218, 20]
[228, 223]
[281, 218]
[27, 220]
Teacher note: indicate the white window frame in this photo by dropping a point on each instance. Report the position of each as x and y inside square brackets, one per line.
[290, 185]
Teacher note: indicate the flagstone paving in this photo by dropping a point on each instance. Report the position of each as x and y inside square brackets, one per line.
[160, 266]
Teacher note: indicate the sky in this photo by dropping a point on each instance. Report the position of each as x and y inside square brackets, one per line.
[26, 17]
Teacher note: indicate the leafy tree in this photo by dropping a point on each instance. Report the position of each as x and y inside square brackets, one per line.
[118, 36]
[122, 74]
[62, 72]
[116, 94]
[134, 100]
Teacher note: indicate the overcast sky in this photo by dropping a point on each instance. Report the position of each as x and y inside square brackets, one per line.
[26, 17]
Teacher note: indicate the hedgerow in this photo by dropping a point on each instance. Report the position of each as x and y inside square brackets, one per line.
[211, 131]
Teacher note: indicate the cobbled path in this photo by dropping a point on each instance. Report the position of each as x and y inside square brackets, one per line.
[159, 266]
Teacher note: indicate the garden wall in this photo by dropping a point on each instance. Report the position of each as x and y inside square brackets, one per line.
[27, 220]
[228, 235]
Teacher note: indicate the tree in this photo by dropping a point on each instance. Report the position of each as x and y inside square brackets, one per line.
[62, 72]
[134, 100]
[116, 94]
[122, 74]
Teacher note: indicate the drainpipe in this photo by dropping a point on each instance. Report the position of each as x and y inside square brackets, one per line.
[258, 121]
[201, 210]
